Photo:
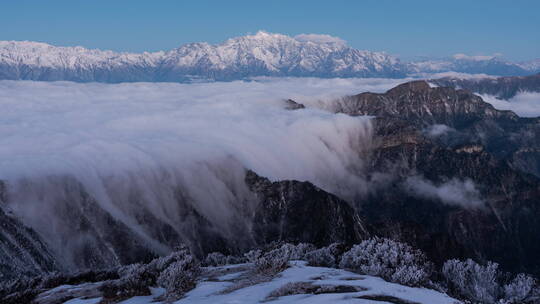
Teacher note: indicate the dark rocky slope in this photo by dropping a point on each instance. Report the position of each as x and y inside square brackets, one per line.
[413, 109]
[22, 251]
[293, 211]
[482, 145]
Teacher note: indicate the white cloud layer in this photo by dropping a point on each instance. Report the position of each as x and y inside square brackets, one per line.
[320, 38]
[437, 130]
[476, 58]
[154, 138]
[459, 75]
[525, 104]
[56, 127]
[455, 192]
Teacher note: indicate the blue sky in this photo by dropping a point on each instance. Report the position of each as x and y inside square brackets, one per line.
[404, 28]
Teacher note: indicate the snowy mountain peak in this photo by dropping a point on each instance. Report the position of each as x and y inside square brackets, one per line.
[532, 65]
[259, 54]
[264, 36]
[481, 64]
[29, 54]
[282, 43]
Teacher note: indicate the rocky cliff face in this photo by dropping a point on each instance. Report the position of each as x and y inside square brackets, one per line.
[421, 105]
[298, 212]
[416, 204]
[451, 118]
[436, 144]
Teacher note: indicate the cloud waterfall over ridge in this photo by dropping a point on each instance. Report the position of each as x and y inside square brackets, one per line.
[132, 152]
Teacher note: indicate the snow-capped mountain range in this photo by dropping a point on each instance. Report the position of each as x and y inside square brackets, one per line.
[489, 65]
[262, 54]
[531, 65]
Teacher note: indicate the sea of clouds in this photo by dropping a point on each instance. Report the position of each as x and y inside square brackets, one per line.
[137, 145]
[64, 127]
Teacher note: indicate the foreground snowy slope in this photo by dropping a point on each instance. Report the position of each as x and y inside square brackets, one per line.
[329, 285]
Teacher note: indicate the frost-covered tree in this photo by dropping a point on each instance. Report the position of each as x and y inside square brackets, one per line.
[252, 255]
[215, 259]
[322, 257]
[298, 252]
[231, 259]
[176, 272]
[135, 280]
[472, 280]
[393, 261]
[219, 259]
[273, 261]
[327, 256]
[522, 289]
[276, 260]
[179, 276]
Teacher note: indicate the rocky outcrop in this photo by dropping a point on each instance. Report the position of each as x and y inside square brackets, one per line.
[293, 105]
[462, 117]
[419, 104]
[423, 170]
[293, 211]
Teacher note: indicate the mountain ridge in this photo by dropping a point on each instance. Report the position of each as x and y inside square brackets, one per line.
[261, 54]
[501, 87]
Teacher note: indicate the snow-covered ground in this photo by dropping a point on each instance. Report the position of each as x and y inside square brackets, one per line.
[337, 286]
